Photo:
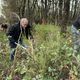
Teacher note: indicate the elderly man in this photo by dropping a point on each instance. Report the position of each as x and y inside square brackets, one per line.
[15, 33]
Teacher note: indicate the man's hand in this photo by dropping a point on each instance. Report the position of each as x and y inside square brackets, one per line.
[9, 36]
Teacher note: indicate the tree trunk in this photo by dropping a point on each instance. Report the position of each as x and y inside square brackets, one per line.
[75, 9]
[45, 13]
[65, 16]
[60, 11]
[23, 8]
[28, 9]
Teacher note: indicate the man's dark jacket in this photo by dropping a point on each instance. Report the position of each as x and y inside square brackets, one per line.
[14, 33]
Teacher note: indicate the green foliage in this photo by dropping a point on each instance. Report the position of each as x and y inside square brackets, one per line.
[52, 59]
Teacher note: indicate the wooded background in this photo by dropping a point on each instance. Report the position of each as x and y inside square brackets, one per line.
[61, 12]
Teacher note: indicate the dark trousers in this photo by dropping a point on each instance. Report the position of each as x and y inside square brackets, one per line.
[12, 54]
[13, 46]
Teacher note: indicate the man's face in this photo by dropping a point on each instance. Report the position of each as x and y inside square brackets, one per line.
[23, 22]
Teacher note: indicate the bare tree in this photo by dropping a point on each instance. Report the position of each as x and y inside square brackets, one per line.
[52, 11]
[65, 15]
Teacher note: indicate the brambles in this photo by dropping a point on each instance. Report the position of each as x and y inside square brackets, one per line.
[53, 57]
